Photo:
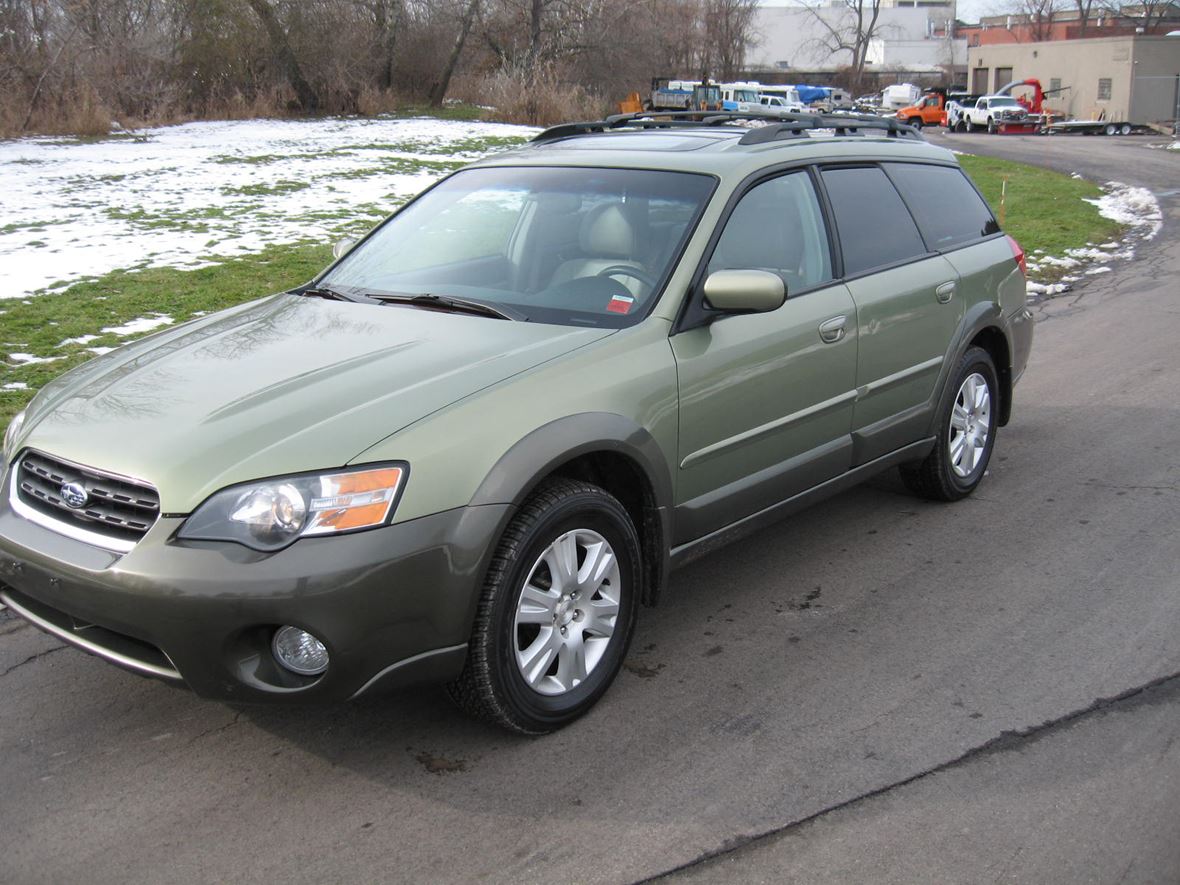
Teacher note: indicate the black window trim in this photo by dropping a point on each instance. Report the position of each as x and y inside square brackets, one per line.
[692, 312]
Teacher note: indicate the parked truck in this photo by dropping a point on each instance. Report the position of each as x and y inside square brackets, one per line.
[1000, 114]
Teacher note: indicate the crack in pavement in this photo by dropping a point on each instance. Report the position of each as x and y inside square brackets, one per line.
[32, 658]
[225, 726]
[1002, 743]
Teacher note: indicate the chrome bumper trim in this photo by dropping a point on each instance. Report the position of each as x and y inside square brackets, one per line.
[72, 638]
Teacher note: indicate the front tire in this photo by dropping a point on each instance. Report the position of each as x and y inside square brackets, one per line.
[916, 122]
[991, 126]
[967, 419]
[557, 611]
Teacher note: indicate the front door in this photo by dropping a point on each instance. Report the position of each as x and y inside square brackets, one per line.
[766, 399]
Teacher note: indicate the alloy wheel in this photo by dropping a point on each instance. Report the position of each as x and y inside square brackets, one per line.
[970, 425]
[566, 612]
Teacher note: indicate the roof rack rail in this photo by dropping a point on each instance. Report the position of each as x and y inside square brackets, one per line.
[841, 124]
[777, 127]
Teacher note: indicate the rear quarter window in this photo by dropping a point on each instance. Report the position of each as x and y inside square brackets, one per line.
[949, 211]
[875, 226]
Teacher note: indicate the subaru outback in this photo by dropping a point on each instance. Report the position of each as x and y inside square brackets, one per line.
[471, 449]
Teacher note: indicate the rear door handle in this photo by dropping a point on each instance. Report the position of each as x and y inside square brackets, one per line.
[944, 292]
[832, 330]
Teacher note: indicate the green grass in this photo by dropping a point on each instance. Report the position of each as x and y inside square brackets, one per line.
[1044, 210]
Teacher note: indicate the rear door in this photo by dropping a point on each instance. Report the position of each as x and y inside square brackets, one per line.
[906, 309]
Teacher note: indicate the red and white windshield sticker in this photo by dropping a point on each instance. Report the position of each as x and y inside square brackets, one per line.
[620, 304]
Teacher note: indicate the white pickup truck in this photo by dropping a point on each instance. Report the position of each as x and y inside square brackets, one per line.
[995, 112]
[777, 106]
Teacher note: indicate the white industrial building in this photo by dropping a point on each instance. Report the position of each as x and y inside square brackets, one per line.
[910, 36]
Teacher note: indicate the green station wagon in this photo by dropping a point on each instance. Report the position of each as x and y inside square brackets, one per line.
[477, 444]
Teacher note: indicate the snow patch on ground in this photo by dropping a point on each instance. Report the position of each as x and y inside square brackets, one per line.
[181, 196]
[1174, 146]
[137, 326]
[15, 385]
[81, 339]
[29, 359]
[100, 350]
[1134, 207]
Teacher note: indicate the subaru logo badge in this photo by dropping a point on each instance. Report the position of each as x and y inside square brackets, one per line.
[74, 494]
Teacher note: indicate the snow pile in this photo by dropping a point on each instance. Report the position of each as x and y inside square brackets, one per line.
[180, 196]
[1174, 146]
[1132, 206]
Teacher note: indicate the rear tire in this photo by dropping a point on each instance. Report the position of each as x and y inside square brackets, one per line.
[1125, 129]
[557, 611]
[967, 422]
[1111, 129]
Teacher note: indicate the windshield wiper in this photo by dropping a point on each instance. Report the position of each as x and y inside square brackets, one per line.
[331, 294]
[459, 305]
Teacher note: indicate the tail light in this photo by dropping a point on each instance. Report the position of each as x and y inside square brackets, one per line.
[1018, 254]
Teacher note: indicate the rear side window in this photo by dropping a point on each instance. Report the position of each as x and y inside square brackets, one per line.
[949, 210]
[874, 225]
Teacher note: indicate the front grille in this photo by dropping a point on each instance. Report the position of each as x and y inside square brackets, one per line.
[116, 507]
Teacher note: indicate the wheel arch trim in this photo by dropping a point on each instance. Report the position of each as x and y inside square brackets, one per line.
[542, 453]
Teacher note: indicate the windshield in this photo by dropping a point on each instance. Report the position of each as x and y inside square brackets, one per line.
[575, 246]
[746, 95]
[1003, 102]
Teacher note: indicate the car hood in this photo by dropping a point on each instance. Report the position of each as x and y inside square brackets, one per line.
[279, 386]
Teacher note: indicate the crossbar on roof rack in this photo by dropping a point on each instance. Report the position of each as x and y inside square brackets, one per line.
[777, 127]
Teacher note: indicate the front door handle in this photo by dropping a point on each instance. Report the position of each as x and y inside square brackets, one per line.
[832, 330]
[944, 292]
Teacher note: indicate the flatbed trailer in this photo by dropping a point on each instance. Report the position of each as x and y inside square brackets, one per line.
[1089, 127]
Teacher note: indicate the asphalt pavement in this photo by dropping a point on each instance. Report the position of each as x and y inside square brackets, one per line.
[878, 689]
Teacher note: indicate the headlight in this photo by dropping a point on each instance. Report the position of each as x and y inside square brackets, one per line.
[270, 514]
[10, 434]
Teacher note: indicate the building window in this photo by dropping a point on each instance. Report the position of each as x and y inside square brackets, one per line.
[1054, 84]
[1104, 88]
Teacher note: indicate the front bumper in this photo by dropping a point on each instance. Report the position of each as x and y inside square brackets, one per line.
[394, 605]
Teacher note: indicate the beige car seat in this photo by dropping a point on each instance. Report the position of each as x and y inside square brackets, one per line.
[606, 238]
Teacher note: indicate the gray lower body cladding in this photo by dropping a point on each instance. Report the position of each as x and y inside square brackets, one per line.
[393, 606]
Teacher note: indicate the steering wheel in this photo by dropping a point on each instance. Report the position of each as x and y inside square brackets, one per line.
[625, 270]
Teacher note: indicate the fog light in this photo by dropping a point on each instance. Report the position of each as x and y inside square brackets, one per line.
[299, 651]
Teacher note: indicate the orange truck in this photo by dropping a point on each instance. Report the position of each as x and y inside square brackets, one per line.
[929, 111]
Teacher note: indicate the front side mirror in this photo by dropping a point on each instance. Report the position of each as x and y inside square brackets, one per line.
[757, 291]
[343, 246]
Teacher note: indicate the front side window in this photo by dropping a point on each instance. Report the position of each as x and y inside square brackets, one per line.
[574, 246]
[874, 225]
[949, 211]
[777, 227]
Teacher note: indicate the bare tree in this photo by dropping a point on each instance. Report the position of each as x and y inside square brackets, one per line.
[852, 31]
[281, 47]
[439, 92]
[1040, 15]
